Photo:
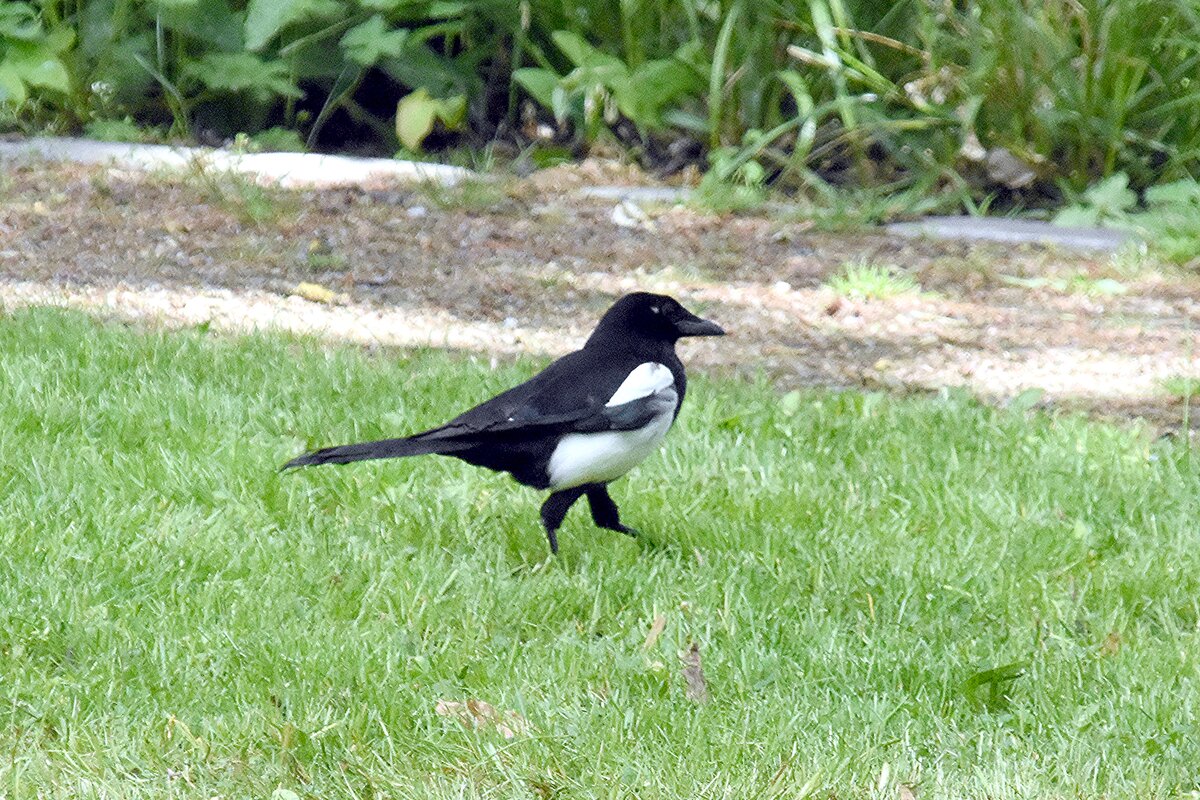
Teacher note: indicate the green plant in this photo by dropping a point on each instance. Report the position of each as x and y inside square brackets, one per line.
[732, 183]
[119, 130]
[965, 102]
[872, 281]
[1182, 387]
[240, 196]
[601, 86]
[31, 58]
[417, 112]
[1169, 221]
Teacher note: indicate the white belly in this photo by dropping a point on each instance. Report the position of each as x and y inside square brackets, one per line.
[583, 458]
[602, 457]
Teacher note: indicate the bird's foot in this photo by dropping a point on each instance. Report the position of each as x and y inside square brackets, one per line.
[625, 529]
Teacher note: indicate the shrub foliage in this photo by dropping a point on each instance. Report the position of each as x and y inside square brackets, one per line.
[1009, 95]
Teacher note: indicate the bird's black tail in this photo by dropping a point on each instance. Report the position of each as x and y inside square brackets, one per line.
[365, 451]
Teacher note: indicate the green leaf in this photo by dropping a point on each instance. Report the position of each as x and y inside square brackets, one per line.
[446, 10]
[652, 86]
[420, 66]
[582, 54]
[12, 88]
[1178, 193]
[991, 688]
[540, 83]
[265, 18]
[19, 21]
[452, 111]
[417, 111]
[243, 72]
[1026, 400]
[414, 118]
[1077, 217]
[1112, 196]
[369, 42]
[213, 22]
[36, 65]
[790, 403]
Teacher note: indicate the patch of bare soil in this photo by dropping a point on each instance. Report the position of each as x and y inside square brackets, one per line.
[530, 268]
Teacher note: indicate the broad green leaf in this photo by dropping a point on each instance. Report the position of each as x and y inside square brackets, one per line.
[19, 21]
[59, 40]
[416, 112]
[213, 22]
[414, 118]
[419, 65]
[369, 42]
[265, 18]
[12, 88]
[36, 65]
[452, 111]
[1112, 196]
[582, 54]
[652, 86]
[244, 72]
[540, 83]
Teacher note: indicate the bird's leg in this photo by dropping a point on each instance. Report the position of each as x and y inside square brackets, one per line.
[604, 510]
[553, 511]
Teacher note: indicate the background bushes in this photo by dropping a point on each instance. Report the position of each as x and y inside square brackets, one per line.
[1017, 99]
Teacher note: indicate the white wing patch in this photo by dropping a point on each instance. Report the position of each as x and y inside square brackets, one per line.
[646, 379]
[583, 458]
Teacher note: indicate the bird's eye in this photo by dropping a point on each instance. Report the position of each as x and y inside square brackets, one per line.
[655, 309]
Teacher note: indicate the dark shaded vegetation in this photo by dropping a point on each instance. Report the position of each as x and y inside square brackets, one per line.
[979, 102]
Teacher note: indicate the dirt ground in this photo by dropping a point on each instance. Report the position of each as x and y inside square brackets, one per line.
[529, 266]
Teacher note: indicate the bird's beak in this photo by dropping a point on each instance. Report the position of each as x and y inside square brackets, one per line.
[692, 325]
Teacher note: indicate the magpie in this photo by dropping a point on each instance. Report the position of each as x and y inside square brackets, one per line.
[578, 425]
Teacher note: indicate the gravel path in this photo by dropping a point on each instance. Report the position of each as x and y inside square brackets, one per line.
[524, 267]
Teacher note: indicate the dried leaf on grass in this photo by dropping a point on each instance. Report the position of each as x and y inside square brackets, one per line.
[693, 674]
[475, 714]
[316, 293]
[656, 629]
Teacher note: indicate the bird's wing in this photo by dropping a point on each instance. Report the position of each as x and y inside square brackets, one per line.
[572, 395]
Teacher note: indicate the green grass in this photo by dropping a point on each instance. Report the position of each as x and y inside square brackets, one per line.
[178, 619]
[872, 281]
[1181, 387]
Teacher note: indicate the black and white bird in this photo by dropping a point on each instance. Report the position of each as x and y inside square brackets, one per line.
[584, 421]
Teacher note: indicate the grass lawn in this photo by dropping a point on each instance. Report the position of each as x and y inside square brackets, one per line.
[885, 592]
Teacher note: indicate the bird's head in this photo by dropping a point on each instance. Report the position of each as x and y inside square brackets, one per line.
[653, 316]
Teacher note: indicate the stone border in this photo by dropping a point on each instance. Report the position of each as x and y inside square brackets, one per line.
[287, 170]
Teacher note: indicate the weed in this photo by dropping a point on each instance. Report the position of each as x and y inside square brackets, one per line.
[1182, 387]
[872, 281]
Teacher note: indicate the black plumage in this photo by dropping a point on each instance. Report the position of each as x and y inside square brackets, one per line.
[566, 429]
